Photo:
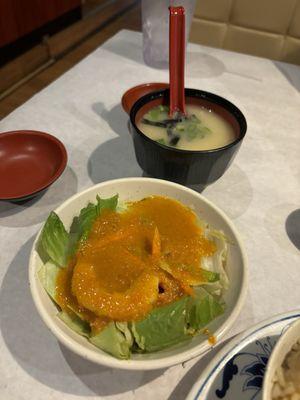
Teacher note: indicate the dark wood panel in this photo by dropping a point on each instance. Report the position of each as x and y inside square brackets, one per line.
[8, 23]
[129, 20]
[22, 66]
[60, 42]
[20, 17]
[55, 46]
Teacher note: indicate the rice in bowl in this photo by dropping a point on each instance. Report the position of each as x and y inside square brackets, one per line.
[286, 381]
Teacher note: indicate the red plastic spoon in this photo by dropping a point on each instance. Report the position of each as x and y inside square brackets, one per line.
[176, 60]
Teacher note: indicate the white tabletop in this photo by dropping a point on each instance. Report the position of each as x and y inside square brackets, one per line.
[260, 192]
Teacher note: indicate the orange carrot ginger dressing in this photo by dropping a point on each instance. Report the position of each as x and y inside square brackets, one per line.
[118, 274]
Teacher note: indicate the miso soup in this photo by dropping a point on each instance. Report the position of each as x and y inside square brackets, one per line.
[200, 129]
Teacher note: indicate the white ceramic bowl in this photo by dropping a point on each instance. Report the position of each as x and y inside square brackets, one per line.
[282, 347]
[135, 189]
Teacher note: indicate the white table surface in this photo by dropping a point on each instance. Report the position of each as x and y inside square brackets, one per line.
[260, 192]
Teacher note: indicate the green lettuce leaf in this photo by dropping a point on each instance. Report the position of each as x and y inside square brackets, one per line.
[163, 327]
[59, 245]
[176, 322]
[159, 113]
[54, 240]
[123, 327]
[110, 203]
[81, 225]
[113, 341]
[217, 262]
[48, 275]
[75, 323]
[203, 309]
[210, 276]
[220, 256]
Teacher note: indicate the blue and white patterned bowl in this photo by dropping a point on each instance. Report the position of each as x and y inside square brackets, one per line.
[237, 371]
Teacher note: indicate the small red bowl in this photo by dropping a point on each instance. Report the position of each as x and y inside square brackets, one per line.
[135, 93]
[30, 162]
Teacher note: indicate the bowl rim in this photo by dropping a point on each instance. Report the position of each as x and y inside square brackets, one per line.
[151, 85]
[59, 170]
[164, 362]
[229, 350]
[195, 93]
[278, 355]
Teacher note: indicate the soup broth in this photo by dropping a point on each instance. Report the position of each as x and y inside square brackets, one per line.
[201, 129]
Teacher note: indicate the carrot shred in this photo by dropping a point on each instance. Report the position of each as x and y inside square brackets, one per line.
[112, 238]
[187, 289]
[156, 243]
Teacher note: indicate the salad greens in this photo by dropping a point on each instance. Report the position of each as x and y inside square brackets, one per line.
[54, 240]
[48, 275]
[205, 308]
[175, 322]
[164, 326]
[82, 224]
[60, 245]
[75, 323]
[113, 340]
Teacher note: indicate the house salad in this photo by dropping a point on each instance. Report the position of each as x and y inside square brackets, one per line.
[134, 277]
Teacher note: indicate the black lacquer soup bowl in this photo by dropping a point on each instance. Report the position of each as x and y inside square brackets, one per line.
[186, 166]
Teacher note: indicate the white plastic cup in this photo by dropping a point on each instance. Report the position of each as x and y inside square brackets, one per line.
[155, 22]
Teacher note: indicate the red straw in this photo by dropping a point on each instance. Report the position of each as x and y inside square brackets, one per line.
[176, 59]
